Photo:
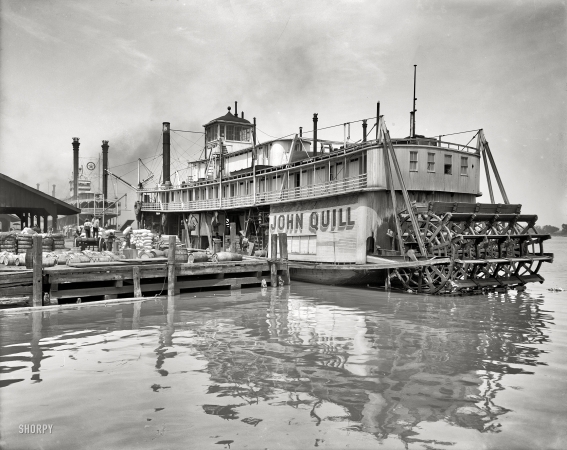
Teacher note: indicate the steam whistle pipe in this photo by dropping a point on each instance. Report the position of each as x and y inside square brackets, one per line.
[364, 125]
[166, 153]
[300, 131]
[377, 119]
[315, 119]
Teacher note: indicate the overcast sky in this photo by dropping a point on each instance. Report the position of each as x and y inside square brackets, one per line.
[117, 69]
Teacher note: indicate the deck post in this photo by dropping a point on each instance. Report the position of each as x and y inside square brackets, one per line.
[136, 278]
[171, 267]
[37, 296]
[274, 247]
[387, 284]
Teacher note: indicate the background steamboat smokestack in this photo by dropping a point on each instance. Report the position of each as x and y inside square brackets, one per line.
[166, 157]
[104, 170]
[315, 134]
[76, 167]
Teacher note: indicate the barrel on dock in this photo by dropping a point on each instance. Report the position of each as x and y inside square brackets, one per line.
[226, 256]
[197, 257]
[149, 254]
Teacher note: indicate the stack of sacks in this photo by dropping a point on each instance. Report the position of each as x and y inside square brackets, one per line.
[46, 243]
[58, 241]
[143, 239]
[8, 242]
[24, 242]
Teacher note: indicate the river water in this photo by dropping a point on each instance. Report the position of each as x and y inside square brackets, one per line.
[297, 367]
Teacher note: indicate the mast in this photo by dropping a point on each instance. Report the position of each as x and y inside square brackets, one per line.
[254, 162]
[412, 114]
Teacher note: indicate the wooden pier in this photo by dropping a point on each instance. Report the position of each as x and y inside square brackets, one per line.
[135, 277]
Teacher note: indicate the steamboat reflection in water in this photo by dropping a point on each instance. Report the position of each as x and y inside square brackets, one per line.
[390, 361]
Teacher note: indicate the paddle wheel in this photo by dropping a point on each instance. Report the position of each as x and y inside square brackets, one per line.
[484, 246]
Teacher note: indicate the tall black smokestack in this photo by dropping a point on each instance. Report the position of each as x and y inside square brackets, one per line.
[76, 167]
[166, 157]
[235, 109]
[315, 134]
[104, 170]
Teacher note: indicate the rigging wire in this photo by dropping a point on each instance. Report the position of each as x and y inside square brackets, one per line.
[460, 132]
[187, 131]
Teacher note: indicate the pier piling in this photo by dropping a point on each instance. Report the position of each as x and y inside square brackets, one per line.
[37, 295]
[171, 278]
[136, 279]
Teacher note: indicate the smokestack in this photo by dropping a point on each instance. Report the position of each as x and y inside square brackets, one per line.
[300, 131]
[242, 114]
[166, 158]
[104, 170]
[235, 109]
[315, 134]
[364, 125]
[76, 168]
[53, 192]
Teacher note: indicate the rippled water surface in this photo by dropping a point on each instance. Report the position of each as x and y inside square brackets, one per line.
[297, 367]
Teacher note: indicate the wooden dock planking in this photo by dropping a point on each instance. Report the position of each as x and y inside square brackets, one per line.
[188, 276]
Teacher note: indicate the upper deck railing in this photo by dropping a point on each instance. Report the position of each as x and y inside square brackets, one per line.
[334, 187]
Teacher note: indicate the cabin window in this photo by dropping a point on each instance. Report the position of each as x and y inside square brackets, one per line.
[222, 131]
[448, 165]
[431, 162]
[413, 162]
[236, 133]
[302, 245]
[332, 173]
[464, 166]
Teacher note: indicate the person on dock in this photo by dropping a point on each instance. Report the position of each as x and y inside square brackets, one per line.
[127, 235]
[95, 228]
[110, 238]
[87, 227]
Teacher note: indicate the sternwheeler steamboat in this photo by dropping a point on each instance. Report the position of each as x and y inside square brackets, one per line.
[382, 211]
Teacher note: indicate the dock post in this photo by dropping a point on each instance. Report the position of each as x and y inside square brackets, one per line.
[283, 257]
[37, 296]
[136, 278]
[171, 267]
[232, 237]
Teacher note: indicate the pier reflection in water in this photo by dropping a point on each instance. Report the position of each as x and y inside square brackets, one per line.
[302, 365]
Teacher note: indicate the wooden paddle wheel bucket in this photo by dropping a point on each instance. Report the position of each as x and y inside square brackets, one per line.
[488, 245]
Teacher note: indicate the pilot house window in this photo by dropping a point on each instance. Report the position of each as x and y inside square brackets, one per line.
[413, 162]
